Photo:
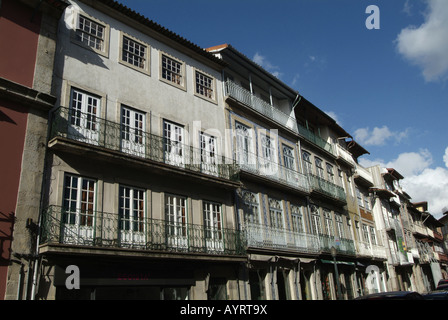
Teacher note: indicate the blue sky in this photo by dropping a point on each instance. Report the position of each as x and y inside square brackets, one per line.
[387, 87]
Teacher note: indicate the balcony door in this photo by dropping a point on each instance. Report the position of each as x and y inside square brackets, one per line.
[132, 131]
[244, 146]
[176, 221]
[78, 214]
[213, 226]
[209, 156]
[268, 165]
[132, 224]
[83, 117]
[174, 147]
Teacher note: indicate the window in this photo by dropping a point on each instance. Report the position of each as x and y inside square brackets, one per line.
[372, 235]
[328, 222]
[244, 144]
[172, 71]
[359, 196]
[365, 233]
[319, 168]
[92, 34]
[268, 154]
[288, 157]
[308, 166]
[78, 209]
[83, 116]
[316, 227]
[205, 85]
[251, 207]
[176, 220]
[213, 225]
[330, 173]
[367, 202]
[131, 216]
[132, 131]
[339, 225]
[209, 157]
[173, 135]
[276, 213]
[297, 219]
[134, 54]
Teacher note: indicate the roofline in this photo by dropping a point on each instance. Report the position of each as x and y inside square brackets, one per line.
[221, 47]
[144, 21]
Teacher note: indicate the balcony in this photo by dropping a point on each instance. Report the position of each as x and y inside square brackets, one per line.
[343, 246]
[265, 237]
[371, 250]
[101, 134]
[364, 176]
[345, 156]
[327, 188]
[272, 170]
[316, 140]
[257, 104]
[95, 229]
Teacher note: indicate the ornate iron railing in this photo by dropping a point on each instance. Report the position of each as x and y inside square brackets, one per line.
[261, 236]
[93, 130]
[255, 103]
[271, 169]
[102, 229]
[326, 187]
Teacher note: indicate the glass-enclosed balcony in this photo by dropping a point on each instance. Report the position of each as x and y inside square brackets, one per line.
[110, 230]
[95, 131]
[257, 104]
[328, 188]
[272, 170]
[314, 139]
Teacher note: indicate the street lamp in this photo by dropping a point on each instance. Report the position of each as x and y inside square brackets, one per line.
[333, 254]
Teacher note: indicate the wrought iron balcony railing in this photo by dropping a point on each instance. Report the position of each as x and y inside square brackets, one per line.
[90, 129]
[266, 237]
[101, 229]
[326, 187]
[271, 169]
[245, 97]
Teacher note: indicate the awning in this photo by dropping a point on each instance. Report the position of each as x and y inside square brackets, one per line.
[338, 262]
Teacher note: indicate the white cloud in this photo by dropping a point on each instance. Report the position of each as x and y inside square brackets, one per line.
[427, 45]
[421, 182]
[263, 62]
[334, 116]
[445, 157]
[378, 136]
[407, 8]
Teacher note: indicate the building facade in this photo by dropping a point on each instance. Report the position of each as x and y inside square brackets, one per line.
[172, 172]
[28, 37]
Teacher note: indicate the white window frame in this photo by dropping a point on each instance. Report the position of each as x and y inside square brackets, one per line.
[140, 62]
[307, 163]
[175, 148]
[276, 217]
[252, 202]
[298, 223]
[84, 113]
[213, 229]
[244, 144]
[176, 220]
[133, 131]
[209, 153]
[204, 85]
[328, 218]
[81, 32]
[172, 71]
[79, 209]
[132, 216]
